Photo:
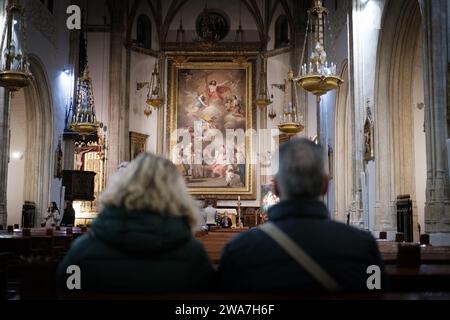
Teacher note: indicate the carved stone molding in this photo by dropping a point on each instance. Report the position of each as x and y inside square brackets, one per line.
[395, 166]
[437, 206]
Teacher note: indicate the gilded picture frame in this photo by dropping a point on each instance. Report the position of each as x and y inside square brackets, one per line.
[138, 144]
[369, 137]
[189, 87]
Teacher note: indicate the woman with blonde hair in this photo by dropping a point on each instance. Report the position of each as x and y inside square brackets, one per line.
[142, 241]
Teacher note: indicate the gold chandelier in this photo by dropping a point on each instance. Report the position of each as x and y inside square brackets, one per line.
[15, 69]
[84, 120]
[262, 99]
[319, 76]
[290, 123]
[154, 96]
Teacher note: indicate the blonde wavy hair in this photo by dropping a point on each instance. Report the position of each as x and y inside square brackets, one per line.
[150, 183]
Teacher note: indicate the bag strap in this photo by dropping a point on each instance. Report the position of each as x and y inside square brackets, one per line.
[300, 256]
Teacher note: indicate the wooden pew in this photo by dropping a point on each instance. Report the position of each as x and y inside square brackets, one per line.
[215, 241]
[3, 275]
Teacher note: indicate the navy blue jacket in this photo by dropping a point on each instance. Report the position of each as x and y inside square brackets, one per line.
[253, 262]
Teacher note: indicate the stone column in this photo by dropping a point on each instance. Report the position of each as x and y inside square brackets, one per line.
[357, 98]
[116, 135]
[4, 153]
[437, 206]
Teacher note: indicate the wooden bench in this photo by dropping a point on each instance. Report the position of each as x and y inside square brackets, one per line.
[215, 241]
[428, 254]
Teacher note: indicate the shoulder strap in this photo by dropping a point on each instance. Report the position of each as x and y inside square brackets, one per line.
[299, 255]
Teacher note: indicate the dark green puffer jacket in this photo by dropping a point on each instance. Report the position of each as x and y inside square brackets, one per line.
[139, 252]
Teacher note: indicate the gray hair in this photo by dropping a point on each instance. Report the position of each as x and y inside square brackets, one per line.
[301, 170]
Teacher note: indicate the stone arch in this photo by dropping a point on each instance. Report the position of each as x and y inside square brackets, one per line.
[38, 162]
[394, 150]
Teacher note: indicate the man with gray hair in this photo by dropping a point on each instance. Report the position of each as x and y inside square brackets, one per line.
[300, 249]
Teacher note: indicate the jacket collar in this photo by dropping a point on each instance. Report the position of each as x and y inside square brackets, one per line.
[299, 209]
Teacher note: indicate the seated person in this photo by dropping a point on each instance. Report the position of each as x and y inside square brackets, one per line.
[142, 240]
[226, 222]
[53, 215]
[68, 219]
[340, 254]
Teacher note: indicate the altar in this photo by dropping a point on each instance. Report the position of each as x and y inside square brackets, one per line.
[232, 214]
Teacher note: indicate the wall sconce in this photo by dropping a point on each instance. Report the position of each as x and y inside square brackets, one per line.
[142, 85]
[281, 87]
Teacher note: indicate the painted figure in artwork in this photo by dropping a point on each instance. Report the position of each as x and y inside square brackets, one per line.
[212, 101]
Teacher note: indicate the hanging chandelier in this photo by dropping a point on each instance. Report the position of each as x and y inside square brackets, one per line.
[154, 96]
[262, 99]
[15, 69]
[290, 124]
[84, 120]
[180, 32]
[318, 76]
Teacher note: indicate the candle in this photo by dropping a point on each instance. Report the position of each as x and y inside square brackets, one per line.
[239, 213]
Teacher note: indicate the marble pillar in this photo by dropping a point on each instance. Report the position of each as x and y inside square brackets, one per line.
[117, 140]
[358, 101]
[437, 206]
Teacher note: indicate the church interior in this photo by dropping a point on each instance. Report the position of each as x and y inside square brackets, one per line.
[88, 86]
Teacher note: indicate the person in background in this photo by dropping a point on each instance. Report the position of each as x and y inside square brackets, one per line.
[264, 216]
[142, 241]
[226, 221]
[202, 225]
[68, 219]
[53, 215]
[211, 214]
[331, 256]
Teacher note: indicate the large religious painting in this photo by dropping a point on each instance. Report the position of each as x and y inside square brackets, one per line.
[210, 127]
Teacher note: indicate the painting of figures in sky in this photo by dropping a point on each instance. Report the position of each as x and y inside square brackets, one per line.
[213, 111]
